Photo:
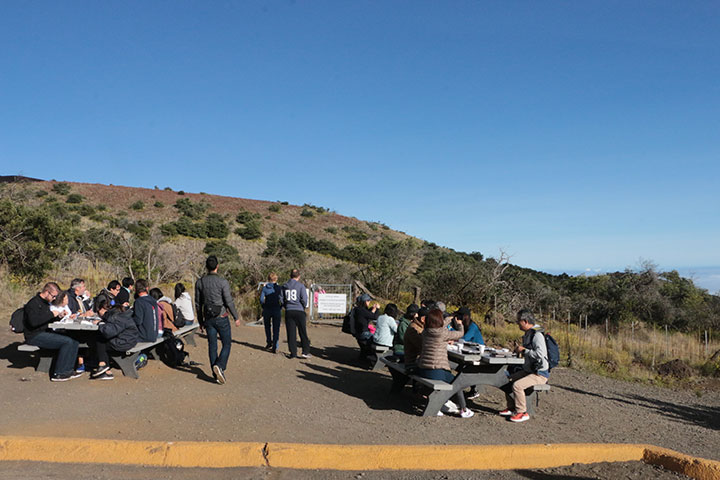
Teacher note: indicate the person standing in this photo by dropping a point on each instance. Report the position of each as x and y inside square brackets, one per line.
[271, 299]
[296, 301]
[213, 301]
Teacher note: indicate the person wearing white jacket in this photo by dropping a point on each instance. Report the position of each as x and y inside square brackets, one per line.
[184, 303]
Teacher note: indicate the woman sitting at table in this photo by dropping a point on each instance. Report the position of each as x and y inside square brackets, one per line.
[433, 361]
[60, 305]
[386, 326]
[472, 334]
[117, 333]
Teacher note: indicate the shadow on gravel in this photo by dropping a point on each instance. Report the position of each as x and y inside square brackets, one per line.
[549, 476]
[371, 388]
[17, 359]
[702, 415]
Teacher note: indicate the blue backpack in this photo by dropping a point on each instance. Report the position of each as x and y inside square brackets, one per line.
[553, 351]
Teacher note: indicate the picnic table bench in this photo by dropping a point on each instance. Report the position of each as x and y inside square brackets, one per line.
[125, 360]
[381, 351]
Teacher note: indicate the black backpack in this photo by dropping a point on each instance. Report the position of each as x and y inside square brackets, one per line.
[172, 351]
[348, 325]
[178, 318]
[17, 320]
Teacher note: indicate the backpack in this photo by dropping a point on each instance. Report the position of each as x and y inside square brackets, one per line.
[553, 350]
[172, 351]
[17, 320]
[178, 318]
[348, 325]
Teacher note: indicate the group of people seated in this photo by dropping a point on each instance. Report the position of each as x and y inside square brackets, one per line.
[420, 337]
[121, 323]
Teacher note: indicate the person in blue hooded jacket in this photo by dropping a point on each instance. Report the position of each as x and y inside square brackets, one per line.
[271, 299]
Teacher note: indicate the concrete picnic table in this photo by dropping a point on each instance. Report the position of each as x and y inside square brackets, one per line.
[87, 326]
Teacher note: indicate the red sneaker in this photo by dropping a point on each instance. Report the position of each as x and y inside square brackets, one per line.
[505, 413]
[520, 417]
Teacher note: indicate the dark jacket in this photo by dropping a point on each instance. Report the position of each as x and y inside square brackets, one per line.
[212, 290]
[145, 315]
[37, 316]
[120, 330]
[74, 303]
[271, 297]
[363, 317]
[123, 296]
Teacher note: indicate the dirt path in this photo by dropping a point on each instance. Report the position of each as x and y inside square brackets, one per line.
[328, 399]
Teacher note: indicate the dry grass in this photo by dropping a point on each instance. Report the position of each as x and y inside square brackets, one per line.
[627, 353]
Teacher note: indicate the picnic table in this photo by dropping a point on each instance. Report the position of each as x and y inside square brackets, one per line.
[488, 368]
[75, 325]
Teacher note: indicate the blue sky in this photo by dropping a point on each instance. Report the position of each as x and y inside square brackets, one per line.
[573, 135]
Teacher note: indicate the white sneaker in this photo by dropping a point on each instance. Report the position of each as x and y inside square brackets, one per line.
[440, 414]
[450, 407]
[467, 413]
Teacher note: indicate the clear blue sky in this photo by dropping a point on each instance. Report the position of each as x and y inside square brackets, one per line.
[572, 134]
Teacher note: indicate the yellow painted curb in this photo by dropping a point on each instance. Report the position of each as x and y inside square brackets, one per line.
[698, 468]
[346, 457]
[446, 457]
[165, 454]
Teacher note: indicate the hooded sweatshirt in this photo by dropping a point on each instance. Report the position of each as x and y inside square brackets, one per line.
[295, 295]
[271, 297]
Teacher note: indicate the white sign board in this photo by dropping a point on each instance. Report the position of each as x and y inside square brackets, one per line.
[332, 303]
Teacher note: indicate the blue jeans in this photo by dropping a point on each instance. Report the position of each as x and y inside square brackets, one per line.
[214, 327]
[445, 376]
[272, 322]
[67, 349]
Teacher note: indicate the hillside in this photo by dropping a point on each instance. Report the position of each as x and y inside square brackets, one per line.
[60, 230]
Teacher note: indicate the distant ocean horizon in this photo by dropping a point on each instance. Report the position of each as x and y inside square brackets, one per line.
[703, 277]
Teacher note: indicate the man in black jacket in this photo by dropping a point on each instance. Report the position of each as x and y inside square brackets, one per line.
[212, 303]
[37, 318]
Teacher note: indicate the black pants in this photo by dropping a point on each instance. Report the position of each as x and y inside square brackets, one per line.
[100, 350]
[296, 319]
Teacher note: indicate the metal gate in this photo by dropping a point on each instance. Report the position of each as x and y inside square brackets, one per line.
[329, 303]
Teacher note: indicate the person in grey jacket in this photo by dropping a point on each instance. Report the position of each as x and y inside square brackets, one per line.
[213, 302]
[296, 301]
[535, 370]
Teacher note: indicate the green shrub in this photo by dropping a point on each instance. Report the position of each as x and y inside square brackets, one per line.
[275, 208]
[181, 192]
[61, 188]
[74, 198]
[84, 210]
[40, 193]
[354, 233]
[331, 230]
[250, 230]
[159, 204]
[306, 212]
[168, 189]
[215, 226]
[191, 209]
[139, 205]
[101, 207]
[244, 216]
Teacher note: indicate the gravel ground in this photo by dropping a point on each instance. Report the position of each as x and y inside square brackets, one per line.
[330, 399]
[610, 471]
